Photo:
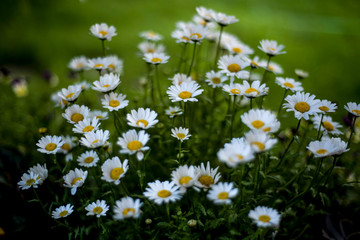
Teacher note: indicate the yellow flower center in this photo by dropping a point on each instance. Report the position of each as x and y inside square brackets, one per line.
[240, 157]
[143, 121]
[103, 33]
[99, 65]
[151, 34]
[79, 65]
[197, 35]
[185, 38]
[114, 103]
[30, 182]
[70, 95]
[267, 129]
[77, 117]
[156, 60]
[50, 146]
[271, 68]
[150, 50]
[234, 67]
[324, 108]
[63, 213]
[88, 128]
[264, 218]
[75, 180]
[111, 66]
[181, 135]
[223, 195]
[321, 151]
[99, 117]
[134, 145]
[289, 85]
[127, 210]
[185, 95]
[260, 145]
[64, 102]
[302, 107]
[254, 63]
[216, 80]
[172, 112]
[185, 180]
[235, 91]
[164, 193]
[237, 50]
[42, 130]
[89, 160]
[206, 180]
[251, 90]
[97, 210]
[116, 172]
[95, 141]
[328, 126]
[66, 146]
[106, 85]
[257, 124]
[357, 112]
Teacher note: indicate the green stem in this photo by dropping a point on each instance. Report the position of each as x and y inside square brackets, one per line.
[179, 155]
[282, 101]
[158, 85]
[330, 171]
[192, 59]
[233, 116]
[218, 46]
[256, 174]
[181, 60]
[263, 80]
[352, 131]
[251, 103]
[319, 130]
[184, 114]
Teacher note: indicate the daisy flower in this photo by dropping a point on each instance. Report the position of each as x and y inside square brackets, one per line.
[259, 119]
[327, 125]
[74, 179]
[49, 144]
[222, 193]
[195, 33]
[114, 64]
[226, 38]
[237, 152]
[62, 211]
[84, 85]
[239, 48]
[223, 19]
[69, 144]
[151, 36]
[114, 101]
[97, 63]
[273, 67]
[99, 115]
[95, 139]
[86, 125]
[184, 92]
[103, 31]
[108, 82]
[265, 217]
[339, 146]
[88, 159]
[180, 133]
[29, 180]
[113, 170]
[301, 73]
[199, 20]
[127, 207]
[162, 192]
[321, 148]
[326, 106]
[41, 171]
[142, 118]
[271, 47]
[179, 78]
[260, 141]
[233, 66]
[71, 93]
[98, 208]
[234, 89]
[76, 113]
[78, 64]
[150, 47]
[180, 36]
[289, 83]
[353, 108]
[215, 79]
[132, 142]
[253, 89]
[184, 177]
[254, 62]
[205, 13]
[206, 176]
[156, 58]
[58, 101]
[173, 111]
[303, 105]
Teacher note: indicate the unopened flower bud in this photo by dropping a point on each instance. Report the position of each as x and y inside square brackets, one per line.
[192, 223]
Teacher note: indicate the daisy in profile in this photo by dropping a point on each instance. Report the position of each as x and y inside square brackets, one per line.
[150, 47]
[205, 13]
[179, 78]
[237, 152]
[184, 177]
[273, 67]
[49, 144]
[260, 141]
[84, 85]
[253, 89]
[223, 19]
[69, 144]
[108, 82]
[74, 179]
[187, 91]
[156, 58]
[142, 118]
[353, 108]
[99, 115]
[339, 146]
[233, 66]
[41, 171]
[113, 170]
[265, 217]
[127, 207]
[301, 73]
[173, 111]
[206, 176]
[162, 192]
[132, 142]
[71, 93]
[76, 113]
[58, 101]
[303, 105]
[62, 211]
[221, 193]
[114, 101]
[260, 119]
[215, 79]
[239, 48]
[88, 159]
[322, 148]
[98, 208]
[327, 125]
[151, 36]
[289, 83]
[326, 106]
[234, 89]
[180, 133]
[78, 64]
[195, 33]
[114, 64]
[97, 63]
[29, 180]
[95, 139]
[103, 31]
[271, 47]
[180, 36]
[86, 125]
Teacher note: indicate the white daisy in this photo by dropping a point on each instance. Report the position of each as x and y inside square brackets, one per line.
[127, 207]
[62, 211]
[78, 64]
[237, 152]
[114, 64]
[206, 176]
[233, 66]
[29, 180]
[239, 48]
[88, 159]
[173, 111]
[339, 146]
[103, 31]
[181, 36]
[74, 179]
[97, 63]
[142, 118]
[259, 119]
[301, 73]
[265, 217]
[180, 133]
[58, 101]
[132, 142]
[215, 79]
[76, 113]
[41, 171]
[114, 101]
[71, 93]
[303, 105]
[84, 85]
[254, 62]
[199, 20]
[113, 170]
[260, 141]
[150, 47]
[99, 115]
[253, 89]
[86, 125]
[353, 108]
[234, 89]
[327, 125]
[223, 19]
[273, 67]
[222, 193]
[184, 177]
[184, 92]
[95, 139]
[289, 83]
[151, 36]
[205, 13]
[195, 33]
[179, 78]
[98, 208]
[226, 38]
[271, 47]
[108, 82]
[162, 192]
[326, 106]
[69, 144]
[49, 144]
[321, 148]
[156, 58]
